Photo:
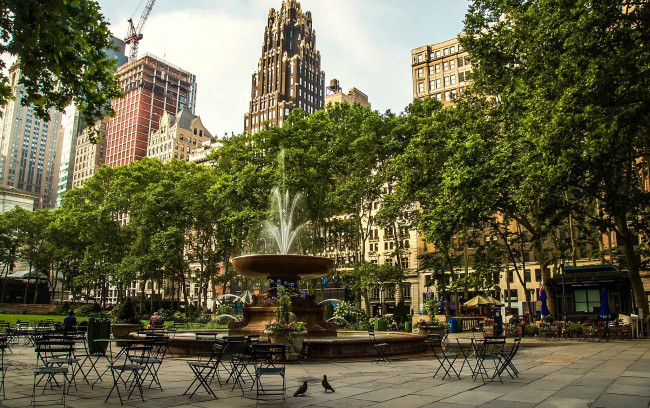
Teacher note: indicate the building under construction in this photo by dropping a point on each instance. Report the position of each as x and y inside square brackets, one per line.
[151, 86]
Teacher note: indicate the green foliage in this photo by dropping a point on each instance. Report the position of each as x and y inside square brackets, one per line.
[401, 313]
[89, 310]
[354, 318]
[531, 330]
[224, 309]
[125, 311]
[431, 308]
[574, 328]
[60, 46]
[284, 305]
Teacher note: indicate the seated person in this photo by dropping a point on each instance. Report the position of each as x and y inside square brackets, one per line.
[70, 322]
[156, 321]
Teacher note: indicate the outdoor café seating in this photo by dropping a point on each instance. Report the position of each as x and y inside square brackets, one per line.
[270, 370]
[4, 345]
[130, 369]
[381, 349]
[446, 359]
[53, 358]
[489, 351]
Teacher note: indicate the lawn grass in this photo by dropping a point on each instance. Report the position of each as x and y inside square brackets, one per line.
[13, 318]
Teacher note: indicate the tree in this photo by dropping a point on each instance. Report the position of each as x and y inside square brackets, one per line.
[60, 46]
[574, 76]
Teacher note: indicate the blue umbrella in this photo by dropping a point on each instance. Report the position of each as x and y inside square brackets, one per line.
[605, 313]
[542, 297]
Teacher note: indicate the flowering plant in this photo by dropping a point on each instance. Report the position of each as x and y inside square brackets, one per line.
[285, 328]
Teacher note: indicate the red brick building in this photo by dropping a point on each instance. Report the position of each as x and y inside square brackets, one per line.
[151, 87]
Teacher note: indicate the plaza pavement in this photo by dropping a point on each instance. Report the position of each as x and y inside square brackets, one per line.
[552, 374]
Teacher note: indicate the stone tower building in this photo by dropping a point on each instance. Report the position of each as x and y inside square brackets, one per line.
[288, 74]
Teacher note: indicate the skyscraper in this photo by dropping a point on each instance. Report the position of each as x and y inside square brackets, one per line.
[288, 73]
[28, 148]
[151, 87]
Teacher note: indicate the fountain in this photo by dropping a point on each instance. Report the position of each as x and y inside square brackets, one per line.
[285, 269]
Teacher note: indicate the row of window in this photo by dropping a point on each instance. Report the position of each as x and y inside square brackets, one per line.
[438, 53]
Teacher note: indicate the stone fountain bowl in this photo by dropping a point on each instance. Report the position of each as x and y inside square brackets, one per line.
[284, 266]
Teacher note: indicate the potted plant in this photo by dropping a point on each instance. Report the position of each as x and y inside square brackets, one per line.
[125, 319]
[283, 331]
[574, 330]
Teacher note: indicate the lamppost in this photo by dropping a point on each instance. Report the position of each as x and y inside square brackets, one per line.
[563, 290]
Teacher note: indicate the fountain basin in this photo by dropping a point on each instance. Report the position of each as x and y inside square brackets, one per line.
[346, 345]
[287, 267]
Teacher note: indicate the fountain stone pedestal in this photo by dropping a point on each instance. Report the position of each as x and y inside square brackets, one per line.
[282, 268]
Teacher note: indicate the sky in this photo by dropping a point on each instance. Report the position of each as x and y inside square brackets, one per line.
[363, 43]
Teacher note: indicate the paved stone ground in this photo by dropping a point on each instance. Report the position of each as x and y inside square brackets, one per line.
[552, 374]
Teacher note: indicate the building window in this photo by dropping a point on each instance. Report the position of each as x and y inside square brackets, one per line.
[527, 275]
[511, 276]
[452, 49]
[452, 64]
[538, 275]
[452, 79]
[431, 70]
[420, 57]
[587, 300]
[419, 72]
[421, 87]
[404, 263]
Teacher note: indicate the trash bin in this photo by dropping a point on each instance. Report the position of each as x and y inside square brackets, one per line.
[381, 325]
[453, 326]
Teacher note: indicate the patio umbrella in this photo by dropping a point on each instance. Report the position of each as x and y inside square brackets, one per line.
[477, 300]
[493, 301]
[543, 297]
[605, 313]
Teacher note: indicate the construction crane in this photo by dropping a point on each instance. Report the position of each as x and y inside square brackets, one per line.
[134, 35]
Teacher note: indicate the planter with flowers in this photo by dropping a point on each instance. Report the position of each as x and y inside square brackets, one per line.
[284, 331]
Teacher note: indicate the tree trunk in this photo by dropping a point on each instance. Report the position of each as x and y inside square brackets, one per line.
[632, 260]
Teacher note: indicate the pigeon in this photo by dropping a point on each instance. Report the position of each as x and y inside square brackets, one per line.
[327, 385]
[301, 390]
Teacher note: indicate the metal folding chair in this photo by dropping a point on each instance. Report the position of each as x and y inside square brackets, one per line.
[381, 349]
[133, 352]
[52, 359]
[508, 356]
[269, 362]
[445, 358]
[4, 345]
[205, 370]
[489, 350]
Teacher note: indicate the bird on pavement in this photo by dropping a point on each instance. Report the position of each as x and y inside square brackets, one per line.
[301, 390]
[327, 385]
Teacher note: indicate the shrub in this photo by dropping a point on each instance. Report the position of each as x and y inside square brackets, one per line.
[531, 330]
[125, 312]
[355, 319]
[89, 310]
[225, 309]
[574, 328]
[401, 313]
